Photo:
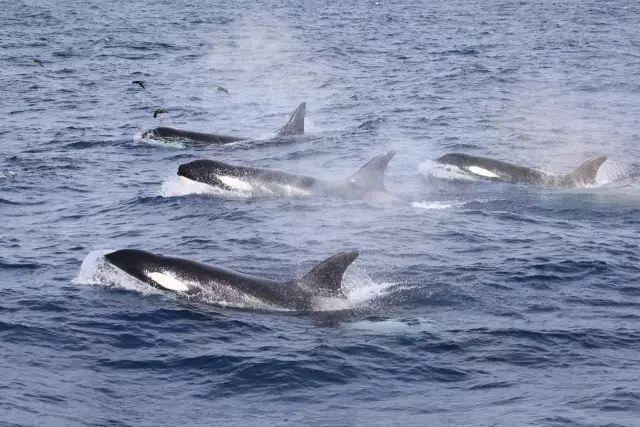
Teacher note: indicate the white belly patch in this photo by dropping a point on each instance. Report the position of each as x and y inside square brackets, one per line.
[477, 170]
[168, 281]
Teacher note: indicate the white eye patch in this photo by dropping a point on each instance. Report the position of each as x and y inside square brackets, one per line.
[168, 281]
[482, 172]
[235, 183]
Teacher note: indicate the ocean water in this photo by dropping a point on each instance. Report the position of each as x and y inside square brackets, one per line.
[471, 303]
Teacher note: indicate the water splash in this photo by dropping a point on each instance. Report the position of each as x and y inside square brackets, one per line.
[95, 270]
[358, 287]
[435, 205]
[139, 138]
[178, 186]
[7, 174]
[609, 172]
[359, 290]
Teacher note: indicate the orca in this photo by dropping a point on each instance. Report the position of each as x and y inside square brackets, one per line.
[295, 126]
[367, 183]
[194, 280]
[495, 170]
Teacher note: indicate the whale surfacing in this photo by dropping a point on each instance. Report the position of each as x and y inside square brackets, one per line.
[366, 183]
[497, 170]
[295, 126]
[193, 279]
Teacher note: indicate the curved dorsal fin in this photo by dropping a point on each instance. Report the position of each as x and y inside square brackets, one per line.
[586, 173]
[326, 277]
[370, 177]
[295, 125]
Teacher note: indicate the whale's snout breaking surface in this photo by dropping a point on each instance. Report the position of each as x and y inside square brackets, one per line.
[193, 173]
[183, 170]
[198, 170]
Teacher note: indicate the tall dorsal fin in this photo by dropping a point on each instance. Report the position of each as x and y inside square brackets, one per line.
[295, 125]
[326, 277]
[586, 173]
[370, 177]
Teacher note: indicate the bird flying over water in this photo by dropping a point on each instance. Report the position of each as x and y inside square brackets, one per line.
[139, 83]
[221, 89]
[37, 61]
[159, 111]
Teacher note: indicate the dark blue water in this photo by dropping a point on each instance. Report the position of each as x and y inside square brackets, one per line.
[470, 304]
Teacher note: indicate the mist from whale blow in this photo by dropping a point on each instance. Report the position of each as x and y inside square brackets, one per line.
[480, 303]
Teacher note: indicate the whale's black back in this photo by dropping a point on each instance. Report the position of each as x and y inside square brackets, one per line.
[208, 138]
[139, 263]
[585, 174]
[507, 172]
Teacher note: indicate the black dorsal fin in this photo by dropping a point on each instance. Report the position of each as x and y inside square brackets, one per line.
[326, 277]
[586, 173]
[370, 177]
[295, 125]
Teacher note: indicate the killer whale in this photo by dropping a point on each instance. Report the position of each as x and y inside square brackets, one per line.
[497, 170]
[367, 182]
[294, 126]
[192, 279]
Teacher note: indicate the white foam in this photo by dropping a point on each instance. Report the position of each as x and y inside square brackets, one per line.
[309, 125]
[609, 172]
[7, 173]
[177, 186]
[264, 137]
[138, 138]
[482, 172]
[435, 205]
[358, 289]
[95, 270]
[168, 281]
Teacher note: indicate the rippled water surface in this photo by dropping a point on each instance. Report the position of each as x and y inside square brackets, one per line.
[470, 304]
